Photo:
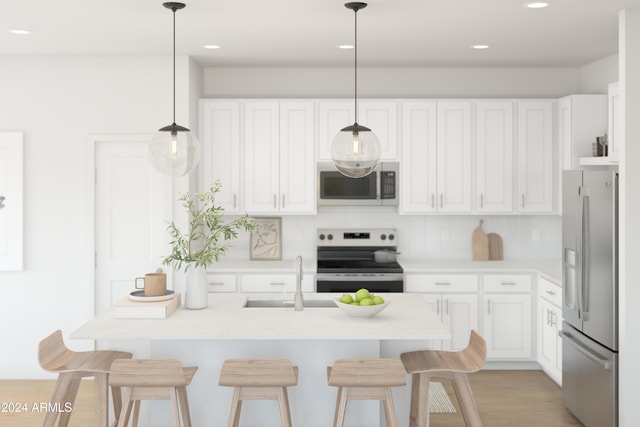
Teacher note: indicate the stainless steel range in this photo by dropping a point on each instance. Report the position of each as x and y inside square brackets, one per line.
[347, 261]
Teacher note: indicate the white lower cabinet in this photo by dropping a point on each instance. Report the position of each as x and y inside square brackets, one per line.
[507, 316]
[549, 318]
[281, 282]
[220, 282]
[455, 299]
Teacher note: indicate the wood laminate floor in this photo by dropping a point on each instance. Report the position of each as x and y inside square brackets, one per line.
[505, 399]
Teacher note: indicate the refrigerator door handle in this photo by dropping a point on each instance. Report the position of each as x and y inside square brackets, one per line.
[585, 351]
[585, 256]
[579, 243]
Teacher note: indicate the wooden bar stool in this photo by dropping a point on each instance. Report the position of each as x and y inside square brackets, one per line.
[366, 379]
[71, 367]
[426, 364]
[153, 379]
[259, 379]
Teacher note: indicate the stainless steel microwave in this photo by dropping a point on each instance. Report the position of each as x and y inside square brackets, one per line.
[379, 188]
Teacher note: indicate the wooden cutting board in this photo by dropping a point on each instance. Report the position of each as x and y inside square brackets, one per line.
[479, 244]
[495, 247]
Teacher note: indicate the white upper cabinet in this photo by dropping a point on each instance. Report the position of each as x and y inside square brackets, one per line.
[379, 116]
[436, 157]
[534, 191]
[418, 157]
[454, 156]
[494, 156]
[279, 157]
[221, 151]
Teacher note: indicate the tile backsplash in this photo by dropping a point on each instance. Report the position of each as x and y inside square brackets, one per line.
[429, 237]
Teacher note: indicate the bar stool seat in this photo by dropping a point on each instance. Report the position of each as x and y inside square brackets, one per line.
[259, 379]
[153, 379]
[366, 379]
[426, 364]
[71, 367]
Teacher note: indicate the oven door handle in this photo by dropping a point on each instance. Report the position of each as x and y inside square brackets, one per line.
[359, 277]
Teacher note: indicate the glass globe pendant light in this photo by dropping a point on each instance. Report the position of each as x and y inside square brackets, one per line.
[174, 150]
[355, 150]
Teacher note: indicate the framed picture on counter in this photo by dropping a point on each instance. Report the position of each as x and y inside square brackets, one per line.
[266, 239]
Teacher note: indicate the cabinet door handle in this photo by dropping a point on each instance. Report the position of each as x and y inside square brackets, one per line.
[548, 317]
[481, 201]
[441, 200]
[433, 201]
[522, 200]
[283, 201]
[508, 283]
[235, 198]
[488, 306]
[275, 201]
[550, 292]
[216, 283]
[277, 283]
[443, 283]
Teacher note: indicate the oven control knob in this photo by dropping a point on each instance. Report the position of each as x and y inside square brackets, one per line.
[321, 237]
[330, 236]
[383, 237]
[392, 236]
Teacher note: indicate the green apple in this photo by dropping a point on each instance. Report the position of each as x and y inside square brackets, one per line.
[354, 303]
[362, 294]
[367, 301]
[378, 300]
[346, 298]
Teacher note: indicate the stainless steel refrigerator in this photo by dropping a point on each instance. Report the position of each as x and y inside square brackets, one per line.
[590, 296]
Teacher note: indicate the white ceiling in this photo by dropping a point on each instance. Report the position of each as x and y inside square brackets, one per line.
[306, 32]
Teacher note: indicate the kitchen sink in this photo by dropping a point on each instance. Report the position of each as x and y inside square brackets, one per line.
[279, 303]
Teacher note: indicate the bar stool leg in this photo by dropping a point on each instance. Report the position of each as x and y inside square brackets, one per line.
[467, 403]
[341, 407]
[123, 419]
[70, 396]
[136, 412]
[236, 405]
[283, 403]
[389, 410]
[184, 406]
[173, 395]
[62, 385]
[419, 400]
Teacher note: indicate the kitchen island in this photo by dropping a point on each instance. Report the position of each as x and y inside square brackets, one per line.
[312, 339]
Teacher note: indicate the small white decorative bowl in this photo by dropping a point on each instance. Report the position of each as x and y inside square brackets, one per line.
[364, 311]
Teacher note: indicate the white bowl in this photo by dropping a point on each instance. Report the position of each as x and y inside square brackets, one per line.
[362, 310]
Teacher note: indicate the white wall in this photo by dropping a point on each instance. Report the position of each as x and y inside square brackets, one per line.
[58, 102]
[391, 82]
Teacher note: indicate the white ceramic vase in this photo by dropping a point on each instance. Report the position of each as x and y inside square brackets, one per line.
[196, 294]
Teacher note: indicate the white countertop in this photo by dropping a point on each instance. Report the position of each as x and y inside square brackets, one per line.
[406, 318]
[550, 269]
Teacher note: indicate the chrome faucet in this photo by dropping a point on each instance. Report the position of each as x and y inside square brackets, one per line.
[299, 301]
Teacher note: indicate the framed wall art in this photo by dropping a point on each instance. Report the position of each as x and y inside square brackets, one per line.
[11, 200]
[266, 239]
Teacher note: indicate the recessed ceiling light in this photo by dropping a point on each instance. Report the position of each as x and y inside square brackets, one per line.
[536, 4]
[480, 46]
[211, 46]
[345, 46]
[20, 32]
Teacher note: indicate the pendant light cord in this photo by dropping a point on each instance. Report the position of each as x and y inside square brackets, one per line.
[355, 67]
[174, 64]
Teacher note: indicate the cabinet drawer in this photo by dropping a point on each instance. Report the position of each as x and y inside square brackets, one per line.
[275, 283]
[441, 283]
[550, 291]
[221, 282]
[507, 283]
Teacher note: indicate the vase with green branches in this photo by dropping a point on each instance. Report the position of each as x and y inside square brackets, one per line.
[204, 241]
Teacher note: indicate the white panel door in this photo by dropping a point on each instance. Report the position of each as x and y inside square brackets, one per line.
[132, 205]
[297, 151]
[535, 156]
[332, 116]
[382, 118]
[494, 156]
[262, 157]
[460, 316]
[454, 156]
[221, 151]
[507, 326]
[418, 174]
